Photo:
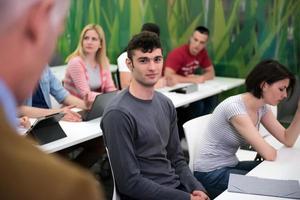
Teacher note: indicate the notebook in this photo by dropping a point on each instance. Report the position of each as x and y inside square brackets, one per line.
[47, 129]
[264, 186]
[98, 106]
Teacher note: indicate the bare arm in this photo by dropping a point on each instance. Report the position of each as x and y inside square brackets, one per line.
[125, 78]
[286, 136]
[34, 112]
[173, 78]
[208, 73]
[72, 100]
[246, 128]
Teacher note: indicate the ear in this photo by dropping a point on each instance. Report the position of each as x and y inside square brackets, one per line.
[189, 41]
[129, 64]
[263, 85]
[38, 21]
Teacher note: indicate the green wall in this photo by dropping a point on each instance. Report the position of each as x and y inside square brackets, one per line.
[242, 31]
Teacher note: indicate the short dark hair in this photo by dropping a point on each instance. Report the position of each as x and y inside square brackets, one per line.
[145, 41]
[202, 29]
[269, 71]
[151, 27]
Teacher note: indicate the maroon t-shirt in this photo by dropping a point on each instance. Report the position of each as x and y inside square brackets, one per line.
[183, 63]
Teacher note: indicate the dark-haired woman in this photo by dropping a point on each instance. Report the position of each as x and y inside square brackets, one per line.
[236, 120]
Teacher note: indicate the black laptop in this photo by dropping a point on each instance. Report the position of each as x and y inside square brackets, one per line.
[99, 104]
[47, 129]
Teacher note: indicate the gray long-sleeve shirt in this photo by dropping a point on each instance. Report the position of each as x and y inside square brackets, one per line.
[144, 148]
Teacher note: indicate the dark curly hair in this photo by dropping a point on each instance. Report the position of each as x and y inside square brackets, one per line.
[145, 41]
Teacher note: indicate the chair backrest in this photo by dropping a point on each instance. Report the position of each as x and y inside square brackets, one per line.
[194, 131]
[115, 192]
[116, 77]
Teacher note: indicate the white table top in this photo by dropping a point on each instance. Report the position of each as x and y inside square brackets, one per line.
[77, 132]
[207, 89]
[285, 167]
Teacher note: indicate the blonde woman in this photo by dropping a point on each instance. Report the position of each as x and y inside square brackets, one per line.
[88, 71]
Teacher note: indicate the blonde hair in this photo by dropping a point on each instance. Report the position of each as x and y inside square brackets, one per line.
[101, 56]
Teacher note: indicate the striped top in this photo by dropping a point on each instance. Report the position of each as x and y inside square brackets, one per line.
[221, 140]
[76, 80]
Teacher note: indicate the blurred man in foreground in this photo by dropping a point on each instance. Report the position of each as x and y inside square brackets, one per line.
[28, 32]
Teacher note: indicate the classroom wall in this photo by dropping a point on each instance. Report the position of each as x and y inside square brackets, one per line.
[243, 32]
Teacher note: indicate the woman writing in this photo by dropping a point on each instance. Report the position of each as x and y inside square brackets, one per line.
[236, 121]
[88, 71]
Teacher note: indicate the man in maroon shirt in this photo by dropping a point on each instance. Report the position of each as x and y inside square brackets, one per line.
[182, 62]
[180, 67]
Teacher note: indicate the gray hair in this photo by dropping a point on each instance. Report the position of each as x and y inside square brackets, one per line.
[12, 10]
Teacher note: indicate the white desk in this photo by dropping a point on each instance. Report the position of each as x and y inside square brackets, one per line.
[207, 89]
[77, 132]
[286, 166]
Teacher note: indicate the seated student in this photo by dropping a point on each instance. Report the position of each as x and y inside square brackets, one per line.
[236, 120]
[140, 132]
[181, 65]
[183, 61]
[39, 104]
[28, 31]
[88, 71]
[124, 72]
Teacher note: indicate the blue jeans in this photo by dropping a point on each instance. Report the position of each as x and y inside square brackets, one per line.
[215, 182]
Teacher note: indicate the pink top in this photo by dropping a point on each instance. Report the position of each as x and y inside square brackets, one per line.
[183, 63]
[76, 80]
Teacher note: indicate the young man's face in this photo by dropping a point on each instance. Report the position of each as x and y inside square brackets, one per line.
[147, 67]
[197, 42]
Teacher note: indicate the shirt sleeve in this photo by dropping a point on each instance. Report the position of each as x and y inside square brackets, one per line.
[108, 83]
[119, 129]
[174, 60]
[204, 60]
[233, 109]
[78, 75]
[175, 154]
[56, 88]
